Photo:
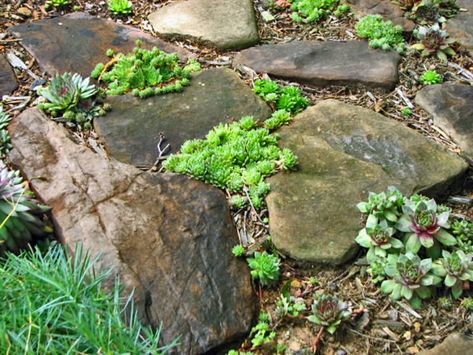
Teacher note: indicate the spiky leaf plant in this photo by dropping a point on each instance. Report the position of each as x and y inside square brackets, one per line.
[5, 144]
[434, 41]
[20, 215]
[431, 77]
[328, 311]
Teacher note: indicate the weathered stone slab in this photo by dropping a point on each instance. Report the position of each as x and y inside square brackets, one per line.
[224, 24]
[8, 82]
[388, 9]
[166, 235]
[130, 131]
[460, 27]
[454, 344]
[345, 152]
[77, 42]
[451, 105]
[350, 63]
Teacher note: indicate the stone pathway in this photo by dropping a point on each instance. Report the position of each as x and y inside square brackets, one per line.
[345, 152]
[169, 237]
[8, 82]
[317, 63]
[77, 42]
[130, 131]
[451, 105]
[223, 24]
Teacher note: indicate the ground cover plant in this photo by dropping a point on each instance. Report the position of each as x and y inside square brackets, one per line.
[120, 7]
[144, 72]
[57, 3]
[381, 34]
[412, 249]
[73, 99]
[237, 157]
[56, 304]
[314, 10]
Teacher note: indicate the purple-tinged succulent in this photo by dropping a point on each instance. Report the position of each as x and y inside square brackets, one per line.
[329, 311]
[425, 225]
[457, 268]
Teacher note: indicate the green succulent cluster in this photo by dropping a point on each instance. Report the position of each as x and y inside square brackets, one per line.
[237, 157]
[56, 3]
[431, 77]
[329, 311]
[120, 7]
[413, 245]
[262, 333]
[433, 41]
[20, 214]
[265, 268]
[289, 98]
[5, 143]
[381, 34]
[238, 250]
[145, 72]
[72, 98]
[309, 11]
[289, 305]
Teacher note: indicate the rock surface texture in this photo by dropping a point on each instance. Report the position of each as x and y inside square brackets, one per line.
[130, 131]
[224, 24]
[167, 236]
[454, 344]
[461, 26]
[8, 82]
[350, 63]
[344, 153]
[451, 105]
[77, 42]
[386, 8]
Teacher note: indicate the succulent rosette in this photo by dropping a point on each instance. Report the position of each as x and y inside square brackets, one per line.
[424, 224]
[410, 278]
[457, 268]
[385, 205]
[378, 238]
[328, 311]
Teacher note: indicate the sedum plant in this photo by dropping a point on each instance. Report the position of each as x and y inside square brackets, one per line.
[238, 250]
[309, 11]
[381, 34]
[56, 3]
[5, 143]
[20, 215]
[328, 311]
[145, 72]
[431, 77]
[289, 98]
[72, 97]
[237, 157]
[264, 268]
[120, 7]
[433, 41]
[457, 268]
[278, 119]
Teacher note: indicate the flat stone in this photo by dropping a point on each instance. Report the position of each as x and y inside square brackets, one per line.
[167, 236]
[350, 63]
[77, 42]
[454, 344]
[451, 106]
[460, 27]
[130, 131]
[386, 8]
[224, 24]
[8, 82]
[345, 152]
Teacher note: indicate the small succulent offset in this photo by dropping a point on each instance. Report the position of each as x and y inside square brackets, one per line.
[309, 11]
[463, 232]
[56, 3]
[5, 143]
[384, 206]
[457, 268]
[434, 41]
[120, 7]
[278, 119]
[431, 77]
[144, 72]
[20, 215]
[238, 250]
[262, 332]
[424, 224]
[289, 305]
[406, 112]
[410, 278]
[265, 268]
[328, 311]
[72, 97]
[378, 238]
[381, 34]
[289, 98]
[377, 268]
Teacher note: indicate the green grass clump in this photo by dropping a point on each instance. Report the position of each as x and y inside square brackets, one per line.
[315, 10]
[431, 77]
[381, 34]
[145, 72]
[52, 304]
[289, 98]
[120, 7]
[236, 156]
